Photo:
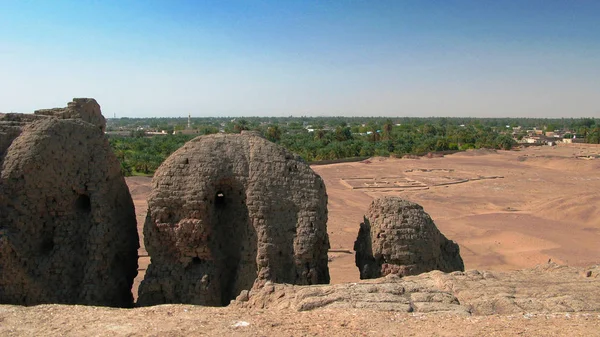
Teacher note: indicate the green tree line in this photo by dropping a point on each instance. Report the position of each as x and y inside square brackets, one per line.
[143, 155]
[338, 137]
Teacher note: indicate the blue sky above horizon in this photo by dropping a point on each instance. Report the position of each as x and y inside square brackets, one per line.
[317, 58]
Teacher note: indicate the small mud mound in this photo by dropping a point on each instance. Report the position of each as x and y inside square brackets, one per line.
[398, 237]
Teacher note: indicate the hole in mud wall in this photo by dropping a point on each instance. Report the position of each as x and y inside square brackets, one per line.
[83, 204]
[47, 246]
[234, 242]
[220, 200]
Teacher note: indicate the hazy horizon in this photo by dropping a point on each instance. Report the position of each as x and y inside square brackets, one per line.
[538, 59]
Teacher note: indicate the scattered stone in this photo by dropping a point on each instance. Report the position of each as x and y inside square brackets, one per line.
[240, 324]
[229, 211]
[243, 296]
[546, 288]
[398, 237]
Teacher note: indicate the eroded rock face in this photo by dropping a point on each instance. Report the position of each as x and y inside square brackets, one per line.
[227, 211]
[67, 222]
[398, 237]
[548, 288]
[384, 294]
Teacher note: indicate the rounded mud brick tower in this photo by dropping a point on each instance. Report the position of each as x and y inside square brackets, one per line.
[68, 230]
[398, 237]
[227, 211]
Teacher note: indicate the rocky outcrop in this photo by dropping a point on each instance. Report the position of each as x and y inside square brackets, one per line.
[384, 294]
[67, 222]
[229, 211]
[546, 288]
[398, 237]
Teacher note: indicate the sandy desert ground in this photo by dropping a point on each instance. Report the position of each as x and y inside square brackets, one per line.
[506, 209]
[187, 320]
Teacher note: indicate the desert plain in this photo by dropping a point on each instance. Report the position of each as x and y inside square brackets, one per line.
[508, 210]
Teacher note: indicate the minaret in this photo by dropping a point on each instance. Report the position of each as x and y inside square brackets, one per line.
[189, 121]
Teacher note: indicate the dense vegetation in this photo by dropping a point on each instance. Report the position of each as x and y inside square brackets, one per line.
[143, 155]
[337, 137]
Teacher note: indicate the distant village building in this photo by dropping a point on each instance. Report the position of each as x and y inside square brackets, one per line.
[157, 133]
[188, 130]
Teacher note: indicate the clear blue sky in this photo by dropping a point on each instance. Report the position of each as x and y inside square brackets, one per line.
[478, 58]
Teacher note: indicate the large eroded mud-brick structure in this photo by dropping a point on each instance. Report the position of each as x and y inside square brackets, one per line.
[227, 211]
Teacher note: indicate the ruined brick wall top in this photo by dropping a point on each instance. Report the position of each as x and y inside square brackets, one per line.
[86, 109]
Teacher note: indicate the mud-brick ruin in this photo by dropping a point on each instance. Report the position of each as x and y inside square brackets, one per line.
[67, 222]
[399, 237]
[227, 212]
[227, 216]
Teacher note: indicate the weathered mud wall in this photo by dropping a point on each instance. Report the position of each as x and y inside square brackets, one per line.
[67, 223]
[398, 237]
[227, 211]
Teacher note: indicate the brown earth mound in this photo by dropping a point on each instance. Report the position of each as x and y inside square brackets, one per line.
[67, 222]
[226, 211]
[398, 237]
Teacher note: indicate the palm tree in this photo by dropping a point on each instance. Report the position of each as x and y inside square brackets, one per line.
[240, 125]
[274, 133]
[387, 129]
